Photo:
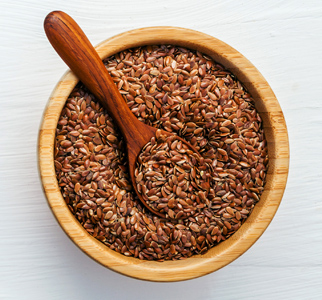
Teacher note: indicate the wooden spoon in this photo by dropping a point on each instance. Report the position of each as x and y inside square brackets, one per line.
[75, 49]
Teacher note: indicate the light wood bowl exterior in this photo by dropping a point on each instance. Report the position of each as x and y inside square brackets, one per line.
[264, 211]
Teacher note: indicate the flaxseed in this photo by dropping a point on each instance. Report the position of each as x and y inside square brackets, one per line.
[183, 92]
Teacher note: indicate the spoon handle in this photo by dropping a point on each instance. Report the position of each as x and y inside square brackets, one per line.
[72, 45]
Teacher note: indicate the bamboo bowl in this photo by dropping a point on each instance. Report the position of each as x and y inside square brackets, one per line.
[264, 211]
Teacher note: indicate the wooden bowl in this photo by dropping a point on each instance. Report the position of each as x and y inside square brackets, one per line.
[264, 211]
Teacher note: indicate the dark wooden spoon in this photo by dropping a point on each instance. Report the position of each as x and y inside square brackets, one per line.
[77, 52]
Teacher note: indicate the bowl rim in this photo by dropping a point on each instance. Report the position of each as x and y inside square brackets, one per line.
[264, 211]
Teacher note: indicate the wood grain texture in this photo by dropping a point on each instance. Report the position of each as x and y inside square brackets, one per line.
[251, 230]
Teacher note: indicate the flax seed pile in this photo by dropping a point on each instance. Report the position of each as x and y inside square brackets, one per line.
[172, 178]
[183, 92]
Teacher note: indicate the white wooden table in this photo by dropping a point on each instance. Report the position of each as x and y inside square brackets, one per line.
[283, 39]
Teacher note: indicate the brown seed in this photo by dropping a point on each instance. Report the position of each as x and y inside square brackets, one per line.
[66, 144]
[77, 187]
[195, 228]
[108, 215]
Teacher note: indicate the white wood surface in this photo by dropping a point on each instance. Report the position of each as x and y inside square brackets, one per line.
[283, 39]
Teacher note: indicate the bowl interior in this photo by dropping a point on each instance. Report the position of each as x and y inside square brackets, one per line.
[278, 150]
